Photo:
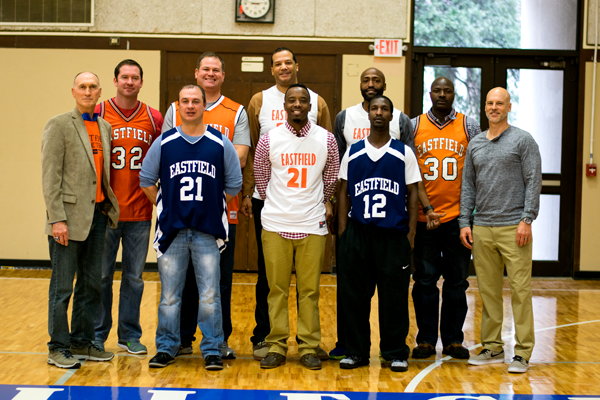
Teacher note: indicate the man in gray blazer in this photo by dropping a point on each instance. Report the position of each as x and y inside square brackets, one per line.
[79, 204]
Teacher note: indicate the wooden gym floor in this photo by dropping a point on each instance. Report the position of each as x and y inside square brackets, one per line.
[566, 359]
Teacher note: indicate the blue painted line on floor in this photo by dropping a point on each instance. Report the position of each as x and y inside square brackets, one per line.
[28, 392]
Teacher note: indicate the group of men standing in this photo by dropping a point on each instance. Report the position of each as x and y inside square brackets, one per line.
[100, 180]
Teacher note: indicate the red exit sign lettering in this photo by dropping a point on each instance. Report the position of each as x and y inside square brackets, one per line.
[388, 47]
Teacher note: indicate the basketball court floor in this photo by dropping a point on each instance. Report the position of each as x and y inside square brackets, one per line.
[565, 363]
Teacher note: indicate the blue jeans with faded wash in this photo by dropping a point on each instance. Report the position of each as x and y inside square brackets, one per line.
[135, 236]
[172, 266]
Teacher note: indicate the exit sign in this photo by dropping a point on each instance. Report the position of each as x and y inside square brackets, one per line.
[388, 47]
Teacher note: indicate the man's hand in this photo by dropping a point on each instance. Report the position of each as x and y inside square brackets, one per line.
[328, 213]
[433, 219]
[523, 234]
[61, 231]
[466, 237]
[246, 207]
[411, 238]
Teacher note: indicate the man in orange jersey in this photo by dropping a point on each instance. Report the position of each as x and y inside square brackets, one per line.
[229, 118]
[79, 205]
[266, 112]
[441, 139]
[134, 125]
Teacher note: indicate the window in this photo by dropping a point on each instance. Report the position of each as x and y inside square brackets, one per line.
[46, 12]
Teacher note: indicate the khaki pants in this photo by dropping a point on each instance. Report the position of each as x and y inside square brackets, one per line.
[280, 254]
[494, 248]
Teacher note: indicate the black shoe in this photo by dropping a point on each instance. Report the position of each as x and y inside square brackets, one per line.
[351, 362]
[456, 350]
[423, 350]
[213, 363]
[161, 360]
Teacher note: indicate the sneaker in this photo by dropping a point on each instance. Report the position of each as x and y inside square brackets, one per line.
[213, 363]
[133, 347]
[487, 357]
[161, 360]
[519, 365]
[456, 350]
[423, 350]
[310, 361]
[399, 366]
[227, 353]
[99, 344]
[92, 353]
[351, 362]
[260, 350]
[272, 360]
[185, 349]
[63, 359]
[322, 354]
[338, 353]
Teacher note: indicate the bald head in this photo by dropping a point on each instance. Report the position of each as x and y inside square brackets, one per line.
[86, 74]
[499, 92]
[497, 106]
[442, 81]
[372, 83]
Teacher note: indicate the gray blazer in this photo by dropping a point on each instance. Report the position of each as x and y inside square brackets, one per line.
[69, 174]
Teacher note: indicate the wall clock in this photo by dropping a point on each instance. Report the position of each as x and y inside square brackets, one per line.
[257, 11]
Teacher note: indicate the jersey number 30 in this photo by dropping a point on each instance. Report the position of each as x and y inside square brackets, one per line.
[449, 168]
[379, 202]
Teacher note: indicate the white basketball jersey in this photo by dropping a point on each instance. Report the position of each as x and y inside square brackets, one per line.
[272, 113]
[357, 125]
[294, 200]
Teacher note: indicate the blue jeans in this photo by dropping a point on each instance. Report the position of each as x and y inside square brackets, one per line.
[439, 252]
[135, 236]
[85, 259]
[172, 266]
[189, 298]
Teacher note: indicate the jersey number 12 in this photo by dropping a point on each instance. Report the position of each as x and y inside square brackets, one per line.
[379, 202]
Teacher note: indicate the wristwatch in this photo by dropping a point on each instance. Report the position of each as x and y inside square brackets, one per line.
[429, 207]
[527, 220]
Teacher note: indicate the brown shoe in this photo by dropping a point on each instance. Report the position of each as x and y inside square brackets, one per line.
[310, 361]
[456, 350]
[322, 354]
[272, 360]
[423, 350]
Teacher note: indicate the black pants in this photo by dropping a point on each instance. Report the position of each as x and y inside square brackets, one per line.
[371, 256]
[189, 297]
[261, 312]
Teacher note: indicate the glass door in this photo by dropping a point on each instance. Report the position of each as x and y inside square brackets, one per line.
[543, 96]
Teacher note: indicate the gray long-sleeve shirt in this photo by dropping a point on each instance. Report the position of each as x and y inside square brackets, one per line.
[502, 179]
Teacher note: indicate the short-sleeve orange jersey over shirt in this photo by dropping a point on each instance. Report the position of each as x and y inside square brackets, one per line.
[223, 116]
[441, 151]
[131, 137]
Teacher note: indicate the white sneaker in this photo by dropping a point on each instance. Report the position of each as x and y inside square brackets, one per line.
[519, 365]
[399, 366]
[487, 357]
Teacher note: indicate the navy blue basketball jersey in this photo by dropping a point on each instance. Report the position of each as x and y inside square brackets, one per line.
[192, 184]
[377, 189]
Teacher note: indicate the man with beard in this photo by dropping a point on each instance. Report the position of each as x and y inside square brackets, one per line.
[441, 139]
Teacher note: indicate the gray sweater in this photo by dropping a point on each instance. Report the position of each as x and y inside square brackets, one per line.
[502, 179]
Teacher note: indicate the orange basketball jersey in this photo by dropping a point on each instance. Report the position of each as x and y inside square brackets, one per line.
[222, 115]
[441, 153]
[130, 140]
